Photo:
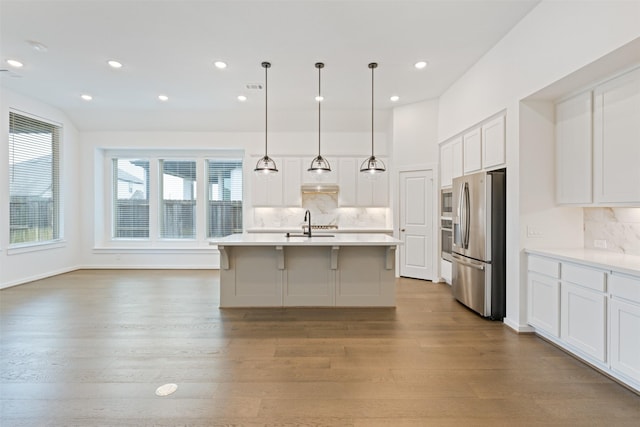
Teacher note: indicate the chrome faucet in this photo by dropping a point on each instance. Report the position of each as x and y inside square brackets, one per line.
[307, 217]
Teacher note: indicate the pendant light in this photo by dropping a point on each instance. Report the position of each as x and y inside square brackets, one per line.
[319, 164]
[266, 165]
[372, 165]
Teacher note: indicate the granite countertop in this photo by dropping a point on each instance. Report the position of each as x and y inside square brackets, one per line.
[617, 262]
[273, 239]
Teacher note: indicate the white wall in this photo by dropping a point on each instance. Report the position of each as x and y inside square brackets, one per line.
[18, 266]
[554, 40]
[415, 133]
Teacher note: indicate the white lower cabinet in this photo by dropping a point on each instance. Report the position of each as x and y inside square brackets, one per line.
[584, 319]
[624, 323]
[591, 312]
[544, 303]
[543, 294]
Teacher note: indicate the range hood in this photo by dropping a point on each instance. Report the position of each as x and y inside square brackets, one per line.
[320, 188]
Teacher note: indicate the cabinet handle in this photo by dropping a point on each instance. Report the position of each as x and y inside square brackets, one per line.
[402, 229]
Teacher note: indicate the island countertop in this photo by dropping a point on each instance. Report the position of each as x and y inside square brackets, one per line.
[321, 239]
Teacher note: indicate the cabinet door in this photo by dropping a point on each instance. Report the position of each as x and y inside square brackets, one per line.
[544, 303]
[472, 142]
[446, 165]
[267, 189]
[625, 338]
[292, 182]
[493, 146]
[380, 197]
[583, 320]
[457, 168]
[348, 169]
[573, 150]
[617, 140]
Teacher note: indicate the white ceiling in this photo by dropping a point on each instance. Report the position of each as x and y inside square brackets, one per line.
[168, 47]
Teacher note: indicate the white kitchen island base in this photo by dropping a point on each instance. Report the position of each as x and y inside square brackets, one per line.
[343, 271]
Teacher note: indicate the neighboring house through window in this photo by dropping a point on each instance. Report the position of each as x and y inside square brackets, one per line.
[34, 180]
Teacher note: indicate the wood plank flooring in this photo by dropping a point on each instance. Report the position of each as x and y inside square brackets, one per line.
[89, 348]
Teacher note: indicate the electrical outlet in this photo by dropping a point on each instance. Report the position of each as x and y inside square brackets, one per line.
[533, 231]
[600, 244]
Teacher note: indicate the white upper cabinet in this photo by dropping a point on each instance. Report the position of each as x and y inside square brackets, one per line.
[348, 170]
[267, 190]
[446, 165]
[356, 189]
[451, 161]
[616, 140]
[472, 142]
[373, 191]
[292, 181]
[493, 149]
[573, 150]
[457, 168]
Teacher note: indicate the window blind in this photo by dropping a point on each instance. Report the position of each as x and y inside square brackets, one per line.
[178, 202]
[224, 215]
[131, 198]
[34, 180]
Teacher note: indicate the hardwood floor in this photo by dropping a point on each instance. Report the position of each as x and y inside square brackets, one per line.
[89, 348]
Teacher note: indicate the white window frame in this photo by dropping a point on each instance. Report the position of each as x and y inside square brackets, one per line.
[104, 226]
[59, 241]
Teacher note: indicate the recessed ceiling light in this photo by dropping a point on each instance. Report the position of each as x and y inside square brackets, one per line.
[394, 98]
[220, 65]
[242, 98]
[37, 46]
[114, 64]
[319, 98]
[14, 63]
[86, 97]
[163, 97]
[420, 64]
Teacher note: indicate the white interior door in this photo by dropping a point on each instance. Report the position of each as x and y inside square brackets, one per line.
[416, 224]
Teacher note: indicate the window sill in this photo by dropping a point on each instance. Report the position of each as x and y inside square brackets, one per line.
[34, 247]
[153, 250]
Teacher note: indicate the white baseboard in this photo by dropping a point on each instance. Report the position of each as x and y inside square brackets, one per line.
[521, 329]
[39, 277]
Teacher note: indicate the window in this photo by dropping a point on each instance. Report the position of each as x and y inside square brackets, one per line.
[34, 182]
[131, 201]
[224, 215]
[158, 196]
[178, 201]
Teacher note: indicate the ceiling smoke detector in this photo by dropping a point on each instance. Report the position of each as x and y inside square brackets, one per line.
[254, 86]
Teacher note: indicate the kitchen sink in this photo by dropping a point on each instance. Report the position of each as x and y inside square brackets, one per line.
[304, 235]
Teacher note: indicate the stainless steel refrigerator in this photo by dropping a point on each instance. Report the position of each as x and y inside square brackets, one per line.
[479, 242]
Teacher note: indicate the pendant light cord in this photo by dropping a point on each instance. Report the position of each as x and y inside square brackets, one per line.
[319, 66]
[266, 65]
[373, 65]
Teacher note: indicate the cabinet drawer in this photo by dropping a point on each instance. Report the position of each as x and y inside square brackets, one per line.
[627, 287]
[544, 266]
[587, 277]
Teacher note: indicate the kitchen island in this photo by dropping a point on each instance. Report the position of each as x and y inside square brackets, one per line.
[273, 270]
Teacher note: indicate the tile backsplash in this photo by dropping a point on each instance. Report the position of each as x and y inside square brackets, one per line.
[619, 227]
[324, 210]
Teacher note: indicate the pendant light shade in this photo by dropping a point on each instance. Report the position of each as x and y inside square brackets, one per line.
[319, 164]
[372, 165]
[266, 165]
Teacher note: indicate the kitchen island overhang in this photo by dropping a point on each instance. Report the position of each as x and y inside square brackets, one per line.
[273, 270]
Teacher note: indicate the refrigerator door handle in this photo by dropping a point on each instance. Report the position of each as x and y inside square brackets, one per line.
[471, 264]
[461, 215]
[467, 215]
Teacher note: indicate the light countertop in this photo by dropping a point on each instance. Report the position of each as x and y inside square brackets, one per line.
[618, 262]
[327, 231]
[317, 239]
